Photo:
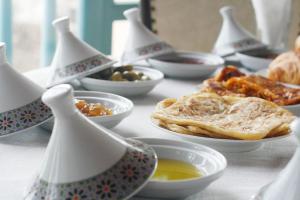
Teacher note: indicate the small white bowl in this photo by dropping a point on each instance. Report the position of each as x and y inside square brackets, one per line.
[120, 106]
[253, 61]
[210, 162]
[187, 70]
[223, 145]
[125, 88]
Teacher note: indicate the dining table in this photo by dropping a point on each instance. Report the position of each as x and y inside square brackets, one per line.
[21, 154]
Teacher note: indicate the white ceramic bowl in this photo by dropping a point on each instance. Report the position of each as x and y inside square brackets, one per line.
[120, 106]
[223, 145]
[125, 88]
[183, 70]
[210, 162]
[252, 61]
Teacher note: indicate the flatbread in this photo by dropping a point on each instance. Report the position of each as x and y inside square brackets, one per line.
[209, 114]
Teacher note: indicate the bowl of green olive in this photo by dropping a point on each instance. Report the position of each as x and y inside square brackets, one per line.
[127, 80]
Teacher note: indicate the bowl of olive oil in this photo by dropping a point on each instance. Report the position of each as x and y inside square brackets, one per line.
[183, 168]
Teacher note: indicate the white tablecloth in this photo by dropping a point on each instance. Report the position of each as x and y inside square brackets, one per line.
[21, 155]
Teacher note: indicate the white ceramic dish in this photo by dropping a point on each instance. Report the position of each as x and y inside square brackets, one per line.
[210, 162]
[125, 88]
[121, 107]
[251, 61]
[233, 37]
[86, 161]
[184, 70]
[21, 107]
[141, 42]
[223, 145]
[73, 57]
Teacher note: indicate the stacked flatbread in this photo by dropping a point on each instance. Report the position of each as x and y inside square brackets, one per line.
[211, 115]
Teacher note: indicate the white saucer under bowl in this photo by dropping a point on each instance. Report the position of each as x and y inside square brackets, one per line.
[223, 145]
[125, 88]
[210, 162]
[120, 106]
[170, 65]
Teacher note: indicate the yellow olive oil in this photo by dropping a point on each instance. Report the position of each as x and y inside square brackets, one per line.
[172, 170]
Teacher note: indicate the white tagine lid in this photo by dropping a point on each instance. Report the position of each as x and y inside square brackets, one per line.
[21, 106]
[73, 57]
[141, 42]
[286, 185]
[233, 37]
[86, 161]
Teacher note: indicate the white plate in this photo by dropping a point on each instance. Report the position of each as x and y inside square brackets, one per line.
[210, 162]
[120, 106]
[182, 70]
[125, 88]
[223, 145]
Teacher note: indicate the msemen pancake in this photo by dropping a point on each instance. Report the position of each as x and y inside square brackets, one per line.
[247, 118]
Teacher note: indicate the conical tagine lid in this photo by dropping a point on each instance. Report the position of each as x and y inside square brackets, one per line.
[21, 106]
[85, 161]
[233, 37]
[287, 184]
[141, 42]
[74, 58]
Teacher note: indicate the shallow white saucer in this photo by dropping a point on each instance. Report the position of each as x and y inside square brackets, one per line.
[223, 145]
[210, 162]
[125, 88]
[184, 70]
[120, 106]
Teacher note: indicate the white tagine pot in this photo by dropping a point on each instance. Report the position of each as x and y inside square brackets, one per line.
[141, 42]
[21, 106]
[286, 185]
[73, 57]
[233, 37]
[87, 161]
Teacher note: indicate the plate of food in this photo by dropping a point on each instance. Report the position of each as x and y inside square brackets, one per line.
[125, 80]
[226, 123]
[186, 64]
[102, 108]
[233, 82]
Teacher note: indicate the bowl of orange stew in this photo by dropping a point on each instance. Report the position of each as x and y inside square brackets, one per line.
[105, 109]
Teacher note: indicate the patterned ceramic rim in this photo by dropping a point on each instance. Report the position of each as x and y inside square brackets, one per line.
[121, 181]
[24, 117]
[147, 51]
[241, 45]
[81, 68]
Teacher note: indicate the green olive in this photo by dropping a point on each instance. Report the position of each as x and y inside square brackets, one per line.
[128, 68]
[131, 76]
[117, 76]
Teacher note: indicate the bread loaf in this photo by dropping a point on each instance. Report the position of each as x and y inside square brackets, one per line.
[286, 67]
